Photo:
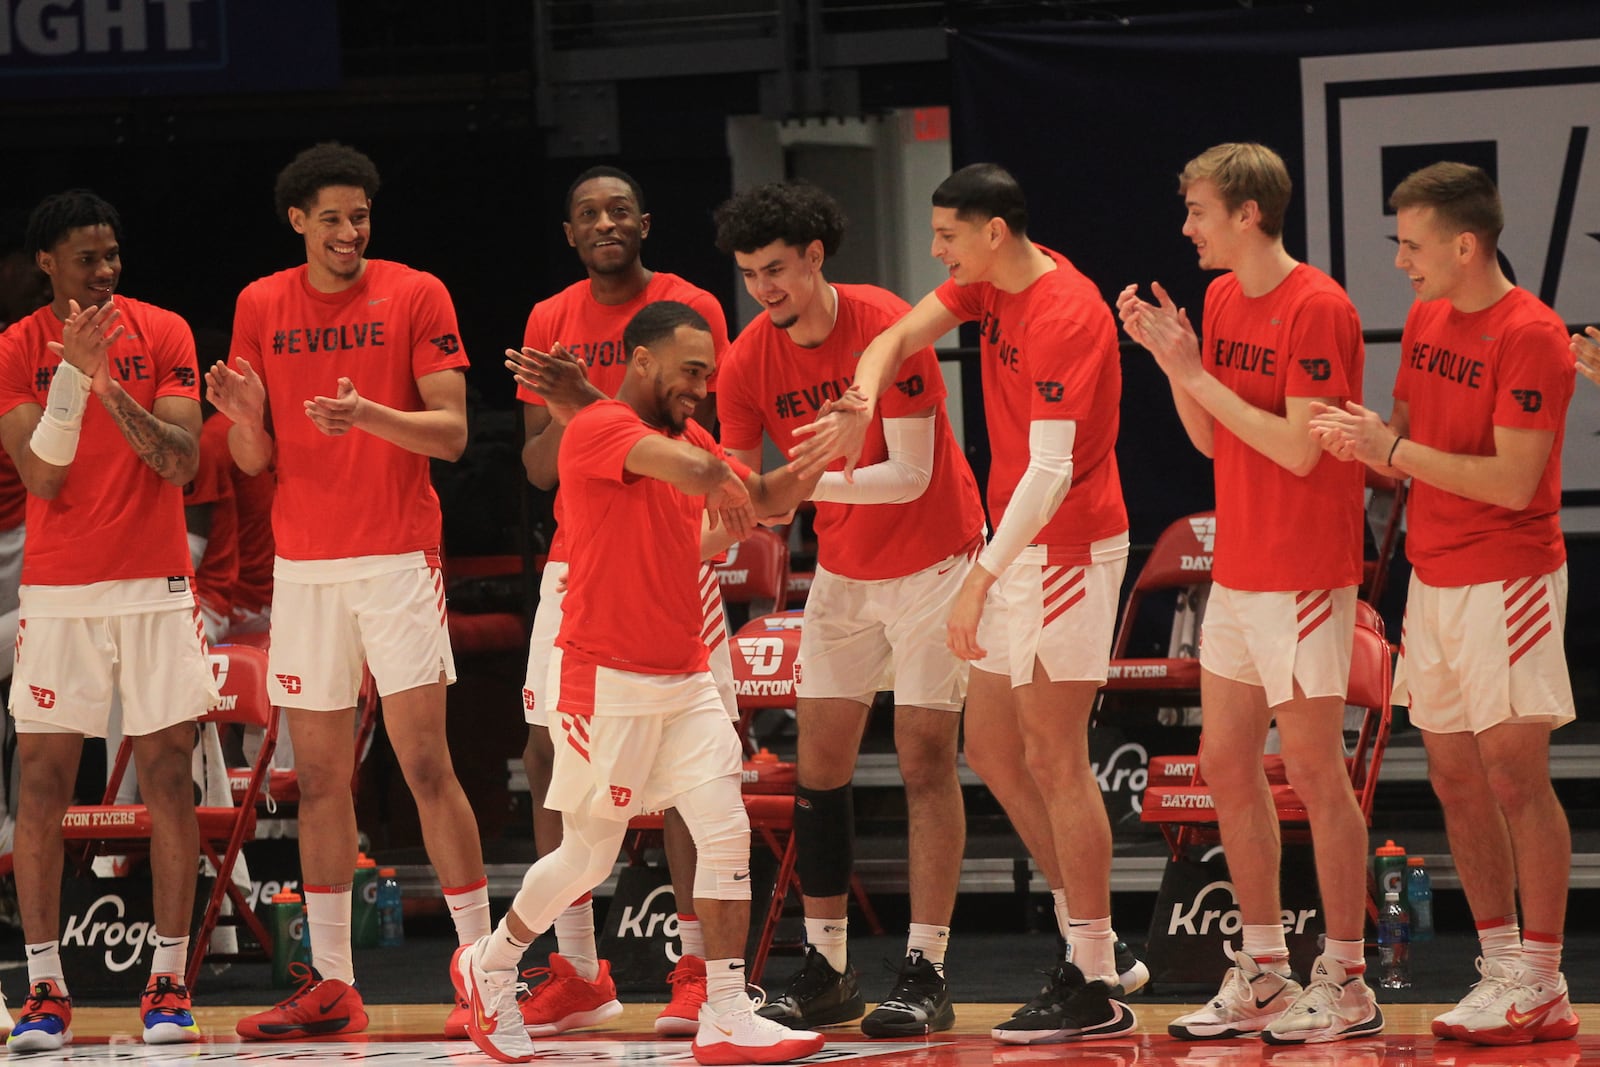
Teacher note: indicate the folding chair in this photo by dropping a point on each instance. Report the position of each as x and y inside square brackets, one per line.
[755, 575]
[1186, 811]
[1386, 508]
[1179, 566]
[242, 680]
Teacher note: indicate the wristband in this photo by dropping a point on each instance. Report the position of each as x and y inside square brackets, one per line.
[1397, 439]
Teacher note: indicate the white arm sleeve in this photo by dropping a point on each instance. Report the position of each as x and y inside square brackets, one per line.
[1039, 493]
[899, 479]
[197, 548]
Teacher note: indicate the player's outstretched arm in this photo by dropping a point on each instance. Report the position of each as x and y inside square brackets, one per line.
[843, 430]
[438, 431]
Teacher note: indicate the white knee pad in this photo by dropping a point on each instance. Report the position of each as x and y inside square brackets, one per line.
[587, 853]
[715, 815]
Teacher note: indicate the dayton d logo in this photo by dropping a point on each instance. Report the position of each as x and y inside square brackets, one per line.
[1051, 391]
[45, 698]
[1531, 400]
[620, 795]
[290, 682]
[1318, 370]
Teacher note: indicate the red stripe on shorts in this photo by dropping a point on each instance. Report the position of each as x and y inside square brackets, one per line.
[1535, 605]
[1317, 607]
[1064, 589]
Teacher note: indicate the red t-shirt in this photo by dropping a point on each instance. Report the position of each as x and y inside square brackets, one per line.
[1275, 530]
[252, 498]
[770, 383]
[592, 331]
[1050, 353]
[355, 495]
[111, 498]
[13, 494]
[633, 580]
[219, 566]
[1462, 375]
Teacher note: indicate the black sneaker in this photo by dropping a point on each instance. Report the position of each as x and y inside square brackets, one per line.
[817, 996]
[1067, 1009]
[919, 1004]
[1132, 974]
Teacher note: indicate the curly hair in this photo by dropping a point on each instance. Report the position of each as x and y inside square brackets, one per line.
[794, 212]
[322, 165]
[60, 213]
[604, 171]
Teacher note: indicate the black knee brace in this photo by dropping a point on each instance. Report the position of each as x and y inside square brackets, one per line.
[825, 839]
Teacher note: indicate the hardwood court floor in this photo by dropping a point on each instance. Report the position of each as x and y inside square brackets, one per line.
[401, 1033]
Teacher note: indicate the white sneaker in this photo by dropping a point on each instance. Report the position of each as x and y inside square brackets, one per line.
[1523, 1011]
[1335, 1005]
[1250, 999]
[495, 1022]
[1496, 975]
[744, 1037]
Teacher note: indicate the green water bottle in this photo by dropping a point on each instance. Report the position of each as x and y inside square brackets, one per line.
[364, 903]
[289, 944]
[1389, 871]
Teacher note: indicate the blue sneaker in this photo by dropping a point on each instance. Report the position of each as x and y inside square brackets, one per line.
[165, 1010]
[46, 1021]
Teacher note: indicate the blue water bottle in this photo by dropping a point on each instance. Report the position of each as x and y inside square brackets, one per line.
[1419, 895]
[391, 927]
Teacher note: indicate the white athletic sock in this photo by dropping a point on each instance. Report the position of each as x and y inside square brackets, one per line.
[831, 938]
[725, 985]
[691, 935]
[469, 909]
[171, 956]
[1264, 943]
[44, 961]
[1500, 939]
[502, 952]
[1350, 954]
[931, 941]
[1541, 957]
[575, 937]
[1063, 918]
[1092, 948]
[328, 914]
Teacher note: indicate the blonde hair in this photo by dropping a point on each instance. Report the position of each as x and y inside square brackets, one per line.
[1241, 172]
[1463, 196]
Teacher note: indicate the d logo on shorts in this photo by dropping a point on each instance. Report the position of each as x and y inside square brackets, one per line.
[45, 698]
[290, 682]
[620, 795]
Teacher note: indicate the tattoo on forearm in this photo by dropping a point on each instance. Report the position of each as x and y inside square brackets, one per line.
[167, 449]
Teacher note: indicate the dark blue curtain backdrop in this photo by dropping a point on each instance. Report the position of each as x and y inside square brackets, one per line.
[1096, 120]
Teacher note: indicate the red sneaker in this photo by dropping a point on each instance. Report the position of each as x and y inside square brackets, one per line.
[455, 1025]
[681, 1016]
[564, 1001]
[166, 1011]
[45, 1024]
[321, 1007]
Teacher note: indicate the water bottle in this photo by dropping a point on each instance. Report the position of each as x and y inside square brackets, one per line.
[391, 926]
[1394, 944]
[1419, 895]
[364, 904]
[289, 941]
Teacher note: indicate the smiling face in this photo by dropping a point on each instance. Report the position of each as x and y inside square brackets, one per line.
[1431, 256]
[967, 249]
[336, 229]
[783, 279]
[678, 369]
[605, 225]
[85, 266]
[1214, 228]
